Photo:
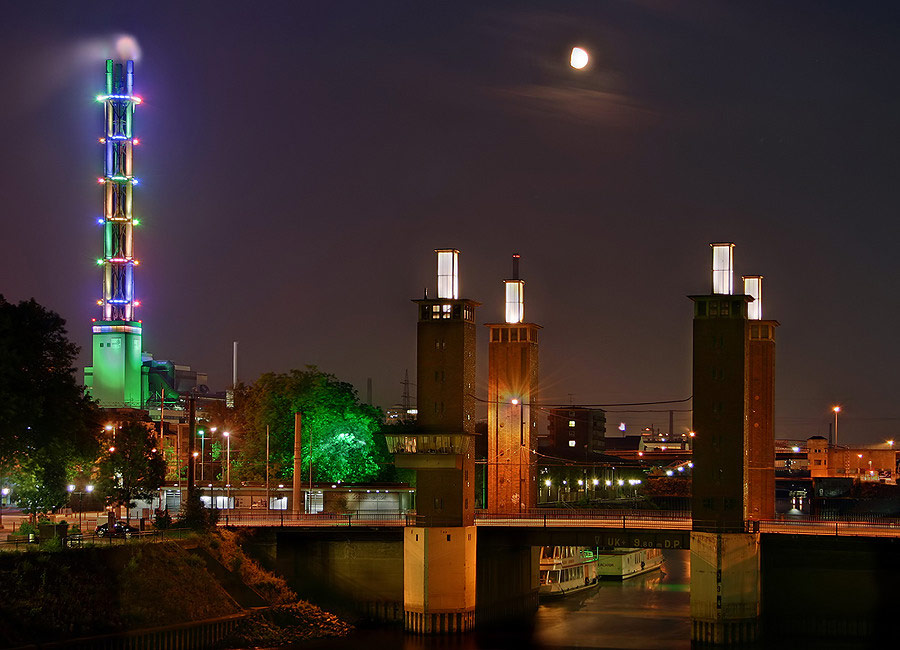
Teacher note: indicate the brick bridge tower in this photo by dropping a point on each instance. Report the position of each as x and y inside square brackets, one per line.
[761, 425]
[733, 389]
[439, 551]
[512, 392]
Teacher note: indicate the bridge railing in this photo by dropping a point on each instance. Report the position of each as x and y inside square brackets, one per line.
[319, 519]
[556, 517]
[802, 525]
[547, 517]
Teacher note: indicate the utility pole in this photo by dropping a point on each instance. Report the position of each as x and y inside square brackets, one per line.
[298, 471]
[192, 425]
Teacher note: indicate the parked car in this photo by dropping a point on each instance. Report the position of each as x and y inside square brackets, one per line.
[120, 529]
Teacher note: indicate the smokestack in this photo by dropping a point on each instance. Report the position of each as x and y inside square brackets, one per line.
[234, 367]
[515, 275]
[369, 391]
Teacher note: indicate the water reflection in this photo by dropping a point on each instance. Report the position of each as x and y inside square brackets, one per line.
[648, 612]
[645, 612]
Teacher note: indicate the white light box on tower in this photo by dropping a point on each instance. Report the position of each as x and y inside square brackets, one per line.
[447, 273]
[753, 288]
[723, 268]
[515, 301]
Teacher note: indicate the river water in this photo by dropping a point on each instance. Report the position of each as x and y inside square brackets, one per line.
[647, 612]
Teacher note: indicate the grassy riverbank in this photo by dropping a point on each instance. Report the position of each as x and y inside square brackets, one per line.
[69, 593]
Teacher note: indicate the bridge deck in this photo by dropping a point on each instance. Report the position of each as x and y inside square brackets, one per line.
[652, 522]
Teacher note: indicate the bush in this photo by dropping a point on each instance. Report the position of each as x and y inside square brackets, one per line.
[162, 520]
[27, 528]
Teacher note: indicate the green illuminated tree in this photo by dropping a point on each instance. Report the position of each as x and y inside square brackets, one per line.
[132, 467]
[48, 427]
[337, 430]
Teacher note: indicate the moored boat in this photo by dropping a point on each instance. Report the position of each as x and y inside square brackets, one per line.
[566, 569]
[622, 563]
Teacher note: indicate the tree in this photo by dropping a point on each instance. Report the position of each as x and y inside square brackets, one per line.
[132, 467]
[337, 431]
[48, 427]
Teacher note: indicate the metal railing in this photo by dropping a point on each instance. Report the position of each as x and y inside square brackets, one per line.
[321, 519]
[544, 517]
[556, 517]
[14, 542]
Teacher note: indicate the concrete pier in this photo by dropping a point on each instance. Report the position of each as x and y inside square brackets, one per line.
[724, 587]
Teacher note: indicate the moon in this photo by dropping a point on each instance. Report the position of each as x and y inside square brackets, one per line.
[579, 58]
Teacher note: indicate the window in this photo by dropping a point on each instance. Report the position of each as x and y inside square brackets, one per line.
[572, 424]
[571, 443]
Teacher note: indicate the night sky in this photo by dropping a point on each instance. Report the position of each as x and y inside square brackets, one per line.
[300, 161]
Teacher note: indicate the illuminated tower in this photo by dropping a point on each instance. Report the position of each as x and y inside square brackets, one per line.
[439, 551]
[761, 430]
[720, 400]
[724, 558]
[115, 377]
[512, 391]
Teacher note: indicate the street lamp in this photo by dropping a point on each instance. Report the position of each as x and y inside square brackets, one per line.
[836, 409]
[201, 432]
[3, 493]
[227, 467]
[72, 490]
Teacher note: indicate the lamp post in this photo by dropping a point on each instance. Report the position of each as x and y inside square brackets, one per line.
[836, 409]
[517, 402]
[3, 493]
[73, 490]
[201, 433]
[227, 468]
